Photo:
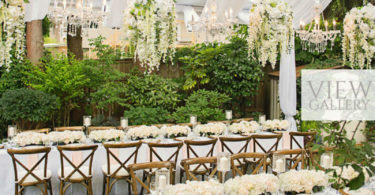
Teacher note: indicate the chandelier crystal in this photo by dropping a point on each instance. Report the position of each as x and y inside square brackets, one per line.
[214, 30]
[78, 14]
[315, 39]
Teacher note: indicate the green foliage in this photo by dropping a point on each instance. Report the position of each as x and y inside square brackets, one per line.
[64, 77]
[14, 77]
[27, 105]
[150, 91]
[147, 115]
[206, 105]
[46, 26]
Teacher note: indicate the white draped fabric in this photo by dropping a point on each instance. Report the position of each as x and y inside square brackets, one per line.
[36, 9]
[115, 15]
[189, 15]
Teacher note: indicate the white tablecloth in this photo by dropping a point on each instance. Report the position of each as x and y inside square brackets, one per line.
[7, 173]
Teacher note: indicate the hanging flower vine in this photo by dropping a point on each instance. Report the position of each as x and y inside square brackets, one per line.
[150, 27]
[358, 43]
[12, 31]
[270, 30]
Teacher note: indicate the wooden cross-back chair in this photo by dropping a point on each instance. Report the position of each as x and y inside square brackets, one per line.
[154, 153]
[308, 139]
[192, 153]
[76, 173]
[192, 167]
[101, 128]
[260, 163]
[242, 119]
[31, 176]
[118, 171]
[73, 128]
[147, 166]
[245, 143]
[44, 130]
[257, 143]
[298, 157]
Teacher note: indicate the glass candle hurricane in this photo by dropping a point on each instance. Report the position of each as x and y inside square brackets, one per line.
[124, 122]
[278, 163]
[86, 121]
[12, 131]
[326, 160]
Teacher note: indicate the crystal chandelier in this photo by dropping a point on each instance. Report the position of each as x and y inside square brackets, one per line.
[79, 14]
[316, 39]
[214, 30]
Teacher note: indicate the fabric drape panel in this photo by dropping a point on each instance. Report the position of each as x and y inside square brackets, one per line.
[36, 9]
[115, 16]
[189, 13]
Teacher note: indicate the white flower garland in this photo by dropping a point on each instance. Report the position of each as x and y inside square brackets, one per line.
[150, 27]
[270, 30]
[12, 31]
[358, 43]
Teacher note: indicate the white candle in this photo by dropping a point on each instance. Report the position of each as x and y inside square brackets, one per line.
[124, 122]
[262, 119]
[326, 162]
[162, 181]
[224, 164]
[87, 121]
[279, 165]
[11, 131]
[228, 114]
[334, 24]
[193, 120]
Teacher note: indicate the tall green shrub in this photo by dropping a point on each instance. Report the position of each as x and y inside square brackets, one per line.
[147, 115]
[26, 107]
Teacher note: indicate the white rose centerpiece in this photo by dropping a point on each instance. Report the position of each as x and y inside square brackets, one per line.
[143, 132]
[244, 127]
[275, 125]
[252, 184]
[107, 135]
[29, 138]
[303, 181]
[211, 187]
[210, 129]
[175, 131]
[66, 137]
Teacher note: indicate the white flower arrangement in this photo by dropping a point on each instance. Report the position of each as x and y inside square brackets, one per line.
[175, 131]
[29, 138]
[12, 32]
[302, 181]
[143, 132]
[270, 30]
[252, 184]
[66, 137]
[347, 173]
[211, 187]
[244, 127]
[275, 125]
[150, 26]
[210, 129]
[107, 135]
[358, 43]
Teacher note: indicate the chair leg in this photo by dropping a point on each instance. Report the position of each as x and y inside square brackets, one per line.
[45, 185]
[108, 186]
[89, 191]
[16, 189]
[104, 184]
[181, 175]
[61, 187]
[129, 188]
[143, 180]
[50, 187]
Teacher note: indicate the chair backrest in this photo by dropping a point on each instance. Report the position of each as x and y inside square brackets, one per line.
[122, 164]
[199, 166]
[192, 147]
[159, 151]
[149, 166]
[75, 128]
[297, 156]
[76, 168]
[257, 142]
[14, 153]
[93, 128]
[242, 119]
[308, 139]
[242, 141]
[45, 130]
[162, 125]
[260, 162]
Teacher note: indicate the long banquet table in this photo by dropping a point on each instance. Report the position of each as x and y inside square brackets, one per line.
[7, 172]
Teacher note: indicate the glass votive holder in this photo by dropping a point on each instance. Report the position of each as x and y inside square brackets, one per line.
[326, 160]
[278, 163]
[124, 122]
[12, 130]
[87, 121]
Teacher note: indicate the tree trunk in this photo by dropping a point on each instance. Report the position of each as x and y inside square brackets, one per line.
[34, 40]
[75, 44]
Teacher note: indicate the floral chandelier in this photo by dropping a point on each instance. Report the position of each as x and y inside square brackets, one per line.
[215, 31]
[79, 14]
[316, 39]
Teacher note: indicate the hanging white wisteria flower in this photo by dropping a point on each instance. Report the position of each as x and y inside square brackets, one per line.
[270, 30]
[358, 43]
[150, 28]
[12, 31]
